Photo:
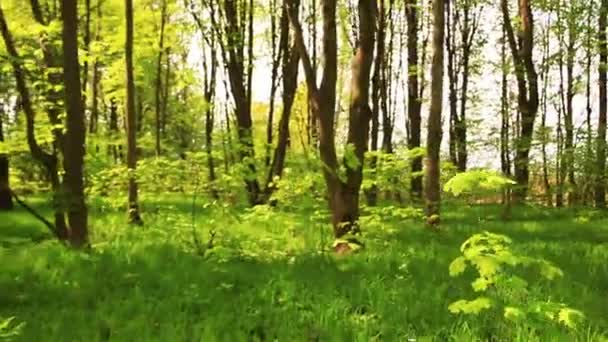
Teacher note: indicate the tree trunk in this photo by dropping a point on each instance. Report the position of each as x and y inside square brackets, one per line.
[131, 122]
[359, 112]
[600, 187]
[527, 89]
[505, 155]
[414, 102]
[94, 119]
[377, 84]
[75, 128]
[343, 196]
[48, 160]
[290, 60]
[434, 133]
[233, 50]
[6, 199]
[159, 69]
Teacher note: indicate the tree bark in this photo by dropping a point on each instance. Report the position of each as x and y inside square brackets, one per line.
[527, 89]
[131, 119]
[94, 119]
[414, 102]
[359, 113]
[290, 61]
[159, 76]
[377, 85]
[600, 187]
[343, 196]
[75, 128]
[434, 132]
[240, 77]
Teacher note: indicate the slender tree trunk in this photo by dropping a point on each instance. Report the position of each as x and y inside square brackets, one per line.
[505, 155]
[377, 84]
[545, 134]
[450, 43]
[87, 48]
[414, 102]
[290, 60]
[434, 133]
[588, 190]
[166, 88]
[600, 187]
[133, 205]
[94, 119]
[75, 128]
[527, 88]
[274, 84]
[240, 77]
[6, 199]
[159, 76]
[569, 116]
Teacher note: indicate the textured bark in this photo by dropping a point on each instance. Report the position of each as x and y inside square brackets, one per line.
[414, 102]
[240, 76]
[75, 128]
[343, 196]
[434, 131]
[359, 112]
[505, 113]
[131, 119]
[600, 186]
[527, 89]
[377, 84]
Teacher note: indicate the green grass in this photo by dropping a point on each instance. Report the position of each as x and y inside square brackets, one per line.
[270, 276]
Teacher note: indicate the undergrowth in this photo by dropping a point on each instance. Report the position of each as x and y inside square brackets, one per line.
[268, 274]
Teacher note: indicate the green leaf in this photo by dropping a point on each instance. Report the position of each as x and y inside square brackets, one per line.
[470, 307]
[549, 271]
[458, 266]
[570, 317]
[514, 314]
[481, 284]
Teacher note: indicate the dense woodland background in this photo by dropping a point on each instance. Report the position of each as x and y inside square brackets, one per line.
[242, 130]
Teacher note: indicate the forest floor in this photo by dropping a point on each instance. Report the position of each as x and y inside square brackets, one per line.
[271, 276]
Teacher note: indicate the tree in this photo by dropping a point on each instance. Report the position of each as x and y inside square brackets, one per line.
[131, 119]
[48, 160]
[434, 132]
[159, 69]
[290, 62]
[521, 47]
[343, 196]
[75, 128]
[414, 100]
[462, 24]
[600, 187]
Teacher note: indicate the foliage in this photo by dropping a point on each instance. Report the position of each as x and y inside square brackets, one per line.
[8, 328]
[477, 182]
[495, 262]
[270, 272]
